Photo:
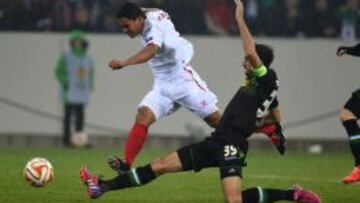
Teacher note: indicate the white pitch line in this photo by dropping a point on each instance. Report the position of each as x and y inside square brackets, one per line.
[275, 177]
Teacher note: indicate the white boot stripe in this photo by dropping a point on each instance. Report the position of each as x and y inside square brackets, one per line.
[136, 178]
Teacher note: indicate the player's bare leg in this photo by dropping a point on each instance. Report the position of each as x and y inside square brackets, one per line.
[145, 117]
[168, 164]
[231, 187]
[213, 119]
[135, 141]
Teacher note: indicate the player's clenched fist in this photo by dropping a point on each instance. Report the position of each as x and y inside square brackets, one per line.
[116, 64]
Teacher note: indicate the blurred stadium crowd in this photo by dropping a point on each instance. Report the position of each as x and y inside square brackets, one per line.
[280, 18]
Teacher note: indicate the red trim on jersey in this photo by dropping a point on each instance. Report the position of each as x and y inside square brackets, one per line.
[192, 76]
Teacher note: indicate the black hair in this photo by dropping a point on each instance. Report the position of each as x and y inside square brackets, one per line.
[265, 53]
[84, 43]
[131, 11]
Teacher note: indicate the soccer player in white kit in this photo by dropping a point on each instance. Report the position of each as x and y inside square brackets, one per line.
[176, 83]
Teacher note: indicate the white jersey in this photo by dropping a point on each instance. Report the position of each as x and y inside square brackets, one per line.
[175, 52]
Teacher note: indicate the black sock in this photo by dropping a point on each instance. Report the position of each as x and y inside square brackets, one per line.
[134, 177]
[353, 130]
[276, 194]
[250, 195]
[266, 195]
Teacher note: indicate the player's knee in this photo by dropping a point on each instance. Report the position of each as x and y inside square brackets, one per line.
[233, 198]
[345, 115]
[213, 119]
[145, 116]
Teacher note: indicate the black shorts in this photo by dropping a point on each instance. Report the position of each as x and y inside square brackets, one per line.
[215, 152]
[353, 104]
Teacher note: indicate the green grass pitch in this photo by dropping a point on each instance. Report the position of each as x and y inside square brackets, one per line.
[321, 173]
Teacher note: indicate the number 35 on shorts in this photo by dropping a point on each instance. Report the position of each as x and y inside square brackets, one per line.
[230, 150]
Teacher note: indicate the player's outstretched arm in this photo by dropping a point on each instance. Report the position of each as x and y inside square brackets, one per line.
[354, 51]
[248, 40]
[144, 55]
[141, 57]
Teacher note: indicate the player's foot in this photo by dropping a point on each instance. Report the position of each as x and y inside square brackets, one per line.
[353, 176]
[304, 196]
[118, 165]
[92, 183]
[276, 136]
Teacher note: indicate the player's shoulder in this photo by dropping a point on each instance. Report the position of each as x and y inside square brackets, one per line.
[154, 14]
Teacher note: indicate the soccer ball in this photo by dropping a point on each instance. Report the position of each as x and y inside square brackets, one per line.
[79, 139]
[38, 172]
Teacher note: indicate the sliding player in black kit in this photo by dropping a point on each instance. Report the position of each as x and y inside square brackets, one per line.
[349, 115]
[227, 147]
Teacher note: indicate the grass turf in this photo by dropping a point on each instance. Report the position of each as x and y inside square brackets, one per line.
[321, 173]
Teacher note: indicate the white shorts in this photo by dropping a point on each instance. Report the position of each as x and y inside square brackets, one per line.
[187, 89]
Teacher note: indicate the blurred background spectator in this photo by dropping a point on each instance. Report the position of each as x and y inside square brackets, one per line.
[273, 18]
[219, 16]
[75, 75]
[293, 19]
[187, 15]
[323, 23]
[252, 14]
[349, 19]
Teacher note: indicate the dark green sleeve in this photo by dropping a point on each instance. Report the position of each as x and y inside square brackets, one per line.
[355, 50]
[61, 72]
